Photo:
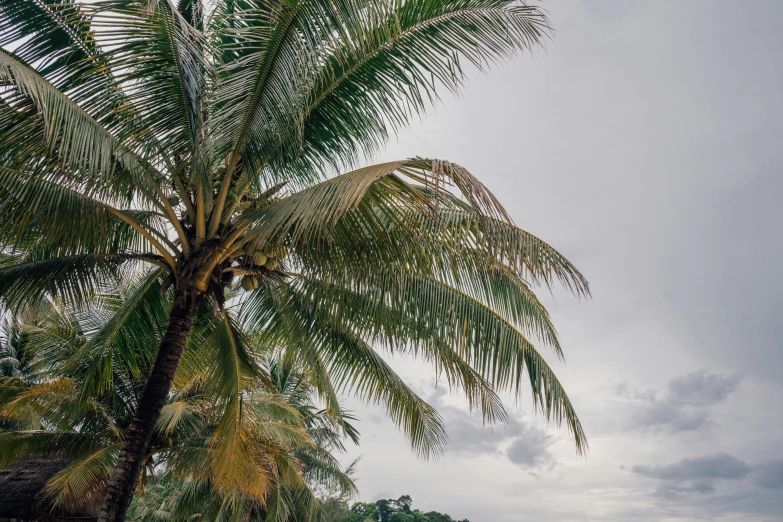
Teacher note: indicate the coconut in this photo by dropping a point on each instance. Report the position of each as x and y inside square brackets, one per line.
[249, 283]
[260, 259]
[271, 263]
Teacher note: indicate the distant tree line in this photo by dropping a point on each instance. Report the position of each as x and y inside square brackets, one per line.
[384, 510]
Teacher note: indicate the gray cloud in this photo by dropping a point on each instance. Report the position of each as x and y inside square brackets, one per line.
[701, 388]
[686, 404]
[718, 466]
[769, 475]
[702, 475]
[523, 444]
[530, 448]
[695, 475]
[468, 435]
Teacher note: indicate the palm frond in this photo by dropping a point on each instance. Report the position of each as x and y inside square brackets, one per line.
[75, 278]
[397, 329]
[310, 214]
[187, 412]
[29, 404]
[385, 69]
[124, 346]
[231, 362]
[266, 52]
[83, 480]
[529, 256]
[86, 150]
[53, 34]
[450, 256]
[487, 341]
[46, 211]
[156, 56]
[17, 445]
[353, 365]
[322, 468]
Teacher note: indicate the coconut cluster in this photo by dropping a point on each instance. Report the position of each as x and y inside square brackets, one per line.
[234, 192]
[260, 259]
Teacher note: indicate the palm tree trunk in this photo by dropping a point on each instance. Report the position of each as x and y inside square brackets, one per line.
[137, 438]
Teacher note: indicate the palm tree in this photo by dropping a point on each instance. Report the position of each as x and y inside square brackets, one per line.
[285, 443]
[178, 496]
[14, 359]
[202, 143]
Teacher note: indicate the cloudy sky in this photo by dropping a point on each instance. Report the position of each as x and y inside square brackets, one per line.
[645, 143]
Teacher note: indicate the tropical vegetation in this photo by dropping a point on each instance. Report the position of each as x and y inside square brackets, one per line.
[384, 510]
[187, 154]
[204, 460]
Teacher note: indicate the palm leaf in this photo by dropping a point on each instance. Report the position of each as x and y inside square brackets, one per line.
[156, 58]
[386, 69]
[83, 480]
[75, 278]
[125, 344]
[53, 34]
[487, 341]
[352, 364]
[186, 412]
[18, 445]
[266, 52]
[77, 140]
[39, 207]
[308, 215]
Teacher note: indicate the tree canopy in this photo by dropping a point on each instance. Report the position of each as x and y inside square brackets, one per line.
[383, 510]
[189, 154]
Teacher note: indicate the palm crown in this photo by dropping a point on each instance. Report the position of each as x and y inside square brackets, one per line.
[146, 135]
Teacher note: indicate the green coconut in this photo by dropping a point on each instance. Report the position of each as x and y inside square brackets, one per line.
[249, 283]
[260, 259]
[271, 263]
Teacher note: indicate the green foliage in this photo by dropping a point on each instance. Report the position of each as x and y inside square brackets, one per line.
[384, 510]
[60, 396]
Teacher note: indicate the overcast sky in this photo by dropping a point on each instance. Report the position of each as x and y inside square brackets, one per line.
[644, 142]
